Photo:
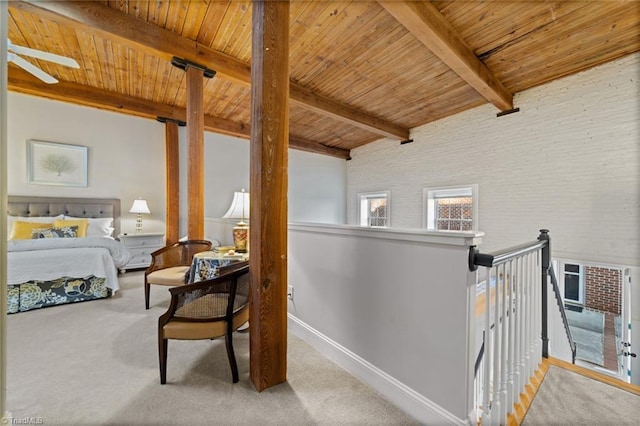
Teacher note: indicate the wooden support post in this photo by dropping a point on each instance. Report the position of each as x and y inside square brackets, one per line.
[195, 137]
[173, 182]
[269, 144]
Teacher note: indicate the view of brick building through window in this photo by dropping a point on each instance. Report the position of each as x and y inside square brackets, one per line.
[454, 213]
[374, 209]
[603, 288]
[378, 212]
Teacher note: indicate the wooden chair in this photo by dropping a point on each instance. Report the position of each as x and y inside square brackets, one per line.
[169, 265]
[206, 310]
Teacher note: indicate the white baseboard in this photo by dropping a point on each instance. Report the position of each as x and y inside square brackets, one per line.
[415, 404]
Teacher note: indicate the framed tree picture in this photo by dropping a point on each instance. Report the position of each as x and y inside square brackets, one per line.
[51, 163]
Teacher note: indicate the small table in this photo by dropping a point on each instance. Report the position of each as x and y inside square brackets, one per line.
[204, 265]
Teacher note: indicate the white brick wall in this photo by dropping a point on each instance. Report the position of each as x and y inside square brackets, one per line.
[568, 161]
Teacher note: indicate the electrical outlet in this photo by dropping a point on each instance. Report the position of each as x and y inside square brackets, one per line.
[290, 292]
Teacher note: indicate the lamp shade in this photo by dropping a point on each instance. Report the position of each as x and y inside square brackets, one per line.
[239, 208]
[140, 206]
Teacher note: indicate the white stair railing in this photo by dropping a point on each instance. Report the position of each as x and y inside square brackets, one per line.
[513, 325]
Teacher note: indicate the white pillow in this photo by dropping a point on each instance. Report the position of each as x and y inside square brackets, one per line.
[98, 227]
[40, 219]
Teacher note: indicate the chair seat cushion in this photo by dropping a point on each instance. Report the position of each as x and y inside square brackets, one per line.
[183, 330]
[170, 276]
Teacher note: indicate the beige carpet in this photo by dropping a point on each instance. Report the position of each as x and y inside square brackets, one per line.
[96, 363]
[566, 398]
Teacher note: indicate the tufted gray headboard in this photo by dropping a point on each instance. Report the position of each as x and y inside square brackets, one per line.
[24, 205]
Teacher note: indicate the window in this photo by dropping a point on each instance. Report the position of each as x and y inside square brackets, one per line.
[451, 208]
[573, 283]
[373, 209]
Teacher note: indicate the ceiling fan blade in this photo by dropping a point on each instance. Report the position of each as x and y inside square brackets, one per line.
[32, 69]
[39, 54]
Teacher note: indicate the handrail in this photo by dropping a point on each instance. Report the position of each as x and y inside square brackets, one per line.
[490, 260]
[556, 290]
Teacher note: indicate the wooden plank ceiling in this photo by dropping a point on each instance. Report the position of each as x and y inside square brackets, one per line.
[360, 70]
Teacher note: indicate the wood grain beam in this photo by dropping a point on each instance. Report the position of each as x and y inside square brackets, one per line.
[268, 164]
[195, 143]
[428, 25]
[22, 82]
[113, 25]
[310, 146]
[172, 159]
[308, 99]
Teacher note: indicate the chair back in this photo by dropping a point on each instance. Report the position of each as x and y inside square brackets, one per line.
[177, 254]
[211, 300]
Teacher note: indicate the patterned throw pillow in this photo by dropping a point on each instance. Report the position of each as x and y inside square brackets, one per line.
[22, 230]
[80, 224]
[62, 232]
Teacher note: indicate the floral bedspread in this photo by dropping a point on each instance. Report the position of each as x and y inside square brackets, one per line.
[39, 294]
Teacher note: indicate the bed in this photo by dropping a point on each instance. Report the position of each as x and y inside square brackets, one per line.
[72, 261]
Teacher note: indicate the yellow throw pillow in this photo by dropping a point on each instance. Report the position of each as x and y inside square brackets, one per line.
[22, 230]
[82, 225]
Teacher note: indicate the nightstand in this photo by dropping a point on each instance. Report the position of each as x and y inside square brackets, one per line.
[141, 246]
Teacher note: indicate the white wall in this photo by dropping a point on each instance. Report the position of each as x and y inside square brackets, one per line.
[317, 185]
[391, 307]
[126, 154]
[569, 161]
[127, 161]
[316, 192]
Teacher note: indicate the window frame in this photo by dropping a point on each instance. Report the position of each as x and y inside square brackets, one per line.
[581, 274]
[429, 195]
[368, 196]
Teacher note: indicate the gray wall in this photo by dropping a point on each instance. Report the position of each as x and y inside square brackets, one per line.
[392, 308]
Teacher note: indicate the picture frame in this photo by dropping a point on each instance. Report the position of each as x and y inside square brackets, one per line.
[50, 163]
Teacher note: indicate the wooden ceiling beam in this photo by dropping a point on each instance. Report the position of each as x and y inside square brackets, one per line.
[113, 25]
[427, 24]
[308, 99]
[117, 26]
[317, 148]
[22, 82]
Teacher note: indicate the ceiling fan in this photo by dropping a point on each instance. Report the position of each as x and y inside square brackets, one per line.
[14, 50]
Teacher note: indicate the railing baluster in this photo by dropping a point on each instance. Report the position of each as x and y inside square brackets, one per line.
[503, 347]
[525, 322]
[512, 335]
[518, 330]
[527, 318]
[532, 314]
[486, 404]
[538, 310]
[495, 397]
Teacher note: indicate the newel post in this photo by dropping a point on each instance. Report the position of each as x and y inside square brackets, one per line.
[546, 261]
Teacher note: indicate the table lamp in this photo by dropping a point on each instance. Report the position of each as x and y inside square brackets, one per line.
[239, 209]
[139, 206]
